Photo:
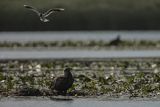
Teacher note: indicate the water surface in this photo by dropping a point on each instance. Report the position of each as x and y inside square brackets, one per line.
[60, 54]
[78, 35]
[76, 103]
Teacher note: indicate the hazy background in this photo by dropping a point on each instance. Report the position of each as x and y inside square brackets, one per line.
[82, 15]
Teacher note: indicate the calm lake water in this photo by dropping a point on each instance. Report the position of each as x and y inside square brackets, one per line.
[78, 35]
[58, 54]
[75, 103]
[61, 54]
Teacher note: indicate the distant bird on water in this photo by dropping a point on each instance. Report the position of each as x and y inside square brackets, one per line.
[43, 16]
[62, 83]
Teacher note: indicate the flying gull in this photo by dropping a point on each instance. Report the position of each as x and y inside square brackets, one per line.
[43, 16]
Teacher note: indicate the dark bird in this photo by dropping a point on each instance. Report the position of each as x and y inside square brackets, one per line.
[63, 83]
[43, 16]
[116, 41]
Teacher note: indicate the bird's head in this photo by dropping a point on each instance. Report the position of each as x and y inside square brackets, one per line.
[67, 71]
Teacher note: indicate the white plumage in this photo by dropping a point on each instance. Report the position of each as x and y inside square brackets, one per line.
[43, 16]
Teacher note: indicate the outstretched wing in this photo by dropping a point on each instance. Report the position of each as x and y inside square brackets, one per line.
[47, 13]
[50, 11]
[32, 8]
[58, 9]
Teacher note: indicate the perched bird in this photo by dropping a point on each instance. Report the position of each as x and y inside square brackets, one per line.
[63, 83]
[116, 41]
[43, 16]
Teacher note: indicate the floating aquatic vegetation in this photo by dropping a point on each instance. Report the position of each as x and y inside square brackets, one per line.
[135, 78]
[91, 44]
[29, 91]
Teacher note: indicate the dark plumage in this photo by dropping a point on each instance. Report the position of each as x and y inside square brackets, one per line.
[63, 83]
[116, 41]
